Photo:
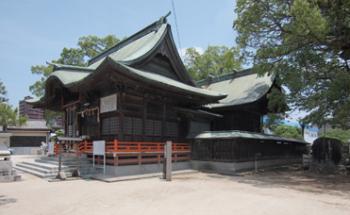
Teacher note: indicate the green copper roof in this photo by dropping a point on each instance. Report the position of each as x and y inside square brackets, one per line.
[127, 51]
[136, 46]
[242, 134]
[68, 77]
[125, 57]
[169, 83]
[240, 87]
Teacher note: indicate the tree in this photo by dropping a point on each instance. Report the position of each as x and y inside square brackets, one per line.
[307, 44]
[216, 60]
[287, 131]
[10, 116]
[342, 135]
[3, 92]
[88, 47]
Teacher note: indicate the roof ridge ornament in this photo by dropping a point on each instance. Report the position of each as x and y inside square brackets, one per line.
[163, 19]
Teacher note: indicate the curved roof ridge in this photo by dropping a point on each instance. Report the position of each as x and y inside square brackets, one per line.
[146, 30]
[243, 88]
[224, 77]
[69, 79]
[58, 66]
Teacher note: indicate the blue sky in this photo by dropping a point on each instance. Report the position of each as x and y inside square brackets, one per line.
[35, 31]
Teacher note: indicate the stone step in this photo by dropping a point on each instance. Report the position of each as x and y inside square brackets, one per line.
[36, 168]
[36, 173]
[43, 171]
[63, 158]
[67, 163]
[48, 166]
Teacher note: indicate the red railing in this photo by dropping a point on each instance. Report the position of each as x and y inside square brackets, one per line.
[133, 147]
[129, 153]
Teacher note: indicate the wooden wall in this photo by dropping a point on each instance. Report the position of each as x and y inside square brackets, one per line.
[137, 118]
[238, 120]
[239, 150]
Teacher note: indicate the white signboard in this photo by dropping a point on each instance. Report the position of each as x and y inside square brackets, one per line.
[99, 147]
[51, 148]
[108, 103]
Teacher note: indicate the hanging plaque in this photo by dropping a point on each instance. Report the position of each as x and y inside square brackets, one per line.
[108, 103]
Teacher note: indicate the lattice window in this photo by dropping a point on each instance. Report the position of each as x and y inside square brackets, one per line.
[172, 129]
[157, 128]
[127, 125]
[149, 130]
[153, 127]
[110, 125]
[137, 126]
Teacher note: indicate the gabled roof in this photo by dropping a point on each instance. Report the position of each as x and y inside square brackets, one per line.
[134, 47]
[150, 78]
[129, 58]
[241, 87]
[73, 78]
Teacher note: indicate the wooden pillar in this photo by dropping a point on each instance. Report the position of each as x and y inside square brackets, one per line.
[164, 127]
[121, 100]
[144, 117]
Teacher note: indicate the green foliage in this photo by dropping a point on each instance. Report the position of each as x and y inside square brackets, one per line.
[287, 131]
[277, 102]
[216, 60]
[307, 44]
[273, 119]
[277, 106]
[340, 134]
[10, 116]
[88, 47]
[59, 133]
[3, 92]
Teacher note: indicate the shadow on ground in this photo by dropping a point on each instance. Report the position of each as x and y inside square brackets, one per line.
[4, 200]
[295, 178]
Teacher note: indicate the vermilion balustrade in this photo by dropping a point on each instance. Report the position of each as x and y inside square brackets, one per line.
[134, 147]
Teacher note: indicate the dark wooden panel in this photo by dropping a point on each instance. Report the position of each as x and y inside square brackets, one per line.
[31, 141]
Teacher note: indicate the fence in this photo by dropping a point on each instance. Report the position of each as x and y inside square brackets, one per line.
[129, 153]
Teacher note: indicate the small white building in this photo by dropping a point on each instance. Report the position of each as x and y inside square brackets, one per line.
[26, 139]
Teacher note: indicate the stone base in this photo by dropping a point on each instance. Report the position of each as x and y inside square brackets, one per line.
[7, 173]
[234, 167]
[129, 170]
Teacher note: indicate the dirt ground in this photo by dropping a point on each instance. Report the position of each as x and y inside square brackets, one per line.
[273, 192]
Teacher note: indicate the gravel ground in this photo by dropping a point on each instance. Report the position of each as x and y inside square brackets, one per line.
[273, 192]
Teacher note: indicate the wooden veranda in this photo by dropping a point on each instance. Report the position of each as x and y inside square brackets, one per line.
[133, 153]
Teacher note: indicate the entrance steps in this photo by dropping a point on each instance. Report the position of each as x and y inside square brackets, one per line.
[47, 167]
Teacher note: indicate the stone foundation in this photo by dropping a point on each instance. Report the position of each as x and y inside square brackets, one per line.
[7, 173]
[233, 167]
[129, 170]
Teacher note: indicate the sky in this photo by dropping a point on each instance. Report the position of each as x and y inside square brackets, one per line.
[33, 32]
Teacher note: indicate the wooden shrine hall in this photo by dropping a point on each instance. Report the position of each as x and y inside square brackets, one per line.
[137, 95]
